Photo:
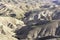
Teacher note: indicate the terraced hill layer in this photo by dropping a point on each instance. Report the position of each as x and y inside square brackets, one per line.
[29, 20]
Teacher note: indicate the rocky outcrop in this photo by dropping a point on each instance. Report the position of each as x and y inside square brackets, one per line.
[32, 32]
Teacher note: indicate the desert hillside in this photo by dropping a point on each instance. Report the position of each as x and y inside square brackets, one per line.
[29, 19]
